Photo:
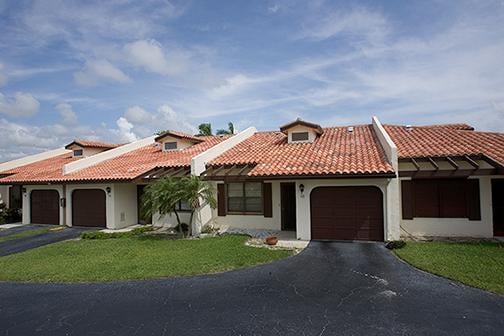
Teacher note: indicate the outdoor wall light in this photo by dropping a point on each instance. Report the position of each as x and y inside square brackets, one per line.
[108, 189]
[23, 190]
[301, 188]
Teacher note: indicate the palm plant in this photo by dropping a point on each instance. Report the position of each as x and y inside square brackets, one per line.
[164, 195]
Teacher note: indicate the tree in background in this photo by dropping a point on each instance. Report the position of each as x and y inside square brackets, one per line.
[229, 131]
[205, 129]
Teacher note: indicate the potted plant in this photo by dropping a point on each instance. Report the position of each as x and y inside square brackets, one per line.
[272, 240]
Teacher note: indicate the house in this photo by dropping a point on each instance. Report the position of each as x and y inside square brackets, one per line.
[361, 182]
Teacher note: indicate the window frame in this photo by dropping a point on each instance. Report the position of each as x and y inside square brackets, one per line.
[441, 200]
[244, 197]
[181, 208]
[298, 133]
[170, 142]
[80, 150]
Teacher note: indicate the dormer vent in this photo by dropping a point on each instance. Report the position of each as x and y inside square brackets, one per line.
[409, 127]
[300, 131]
[350, 129]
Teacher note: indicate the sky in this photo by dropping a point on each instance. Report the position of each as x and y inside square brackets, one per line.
[121, 70]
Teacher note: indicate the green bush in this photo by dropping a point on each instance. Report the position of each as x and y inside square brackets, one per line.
[114, 235]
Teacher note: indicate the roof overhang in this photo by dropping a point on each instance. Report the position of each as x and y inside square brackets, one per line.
[427, 167]
[298, 122]
[165, 134]
[160, 172]
[240, 172]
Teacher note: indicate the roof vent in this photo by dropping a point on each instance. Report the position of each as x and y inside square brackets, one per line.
[409, 127]
[350, 129]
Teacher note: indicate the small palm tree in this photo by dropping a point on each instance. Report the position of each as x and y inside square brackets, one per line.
[229, 131]
[164, 195]
[197, 193]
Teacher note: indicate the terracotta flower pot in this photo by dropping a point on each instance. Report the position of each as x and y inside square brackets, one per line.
[271, 240]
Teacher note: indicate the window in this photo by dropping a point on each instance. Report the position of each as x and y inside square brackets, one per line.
[440, 198]
[183, 206]
[78, 152]
[170, 145]
[245, 197]
[299, 136]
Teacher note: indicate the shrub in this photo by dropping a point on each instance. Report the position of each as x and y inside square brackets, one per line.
[395, 244]
[114, 235]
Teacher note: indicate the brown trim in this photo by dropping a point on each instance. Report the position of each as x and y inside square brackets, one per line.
[267, 200]
[221, 199]
[169, 133]
[448, 173]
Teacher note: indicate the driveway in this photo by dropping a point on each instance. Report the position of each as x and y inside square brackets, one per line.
[328, 289]
[30, 242]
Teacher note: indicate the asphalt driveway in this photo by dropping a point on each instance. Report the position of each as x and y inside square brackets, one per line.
[30, 242]
[329, 289]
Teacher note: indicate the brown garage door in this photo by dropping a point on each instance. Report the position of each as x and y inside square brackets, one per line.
[88, 208]
[347, 213]
[44, 205]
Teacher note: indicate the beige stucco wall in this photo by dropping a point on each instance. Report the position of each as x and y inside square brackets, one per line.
[181, 143]
[456, 227]
[299, 128]
[253, 221]
[26, 216]
[170, 220]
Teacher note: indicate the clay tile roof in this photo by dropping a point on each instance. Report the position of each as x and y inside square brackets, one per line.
[92, 144]
[124, 167]
[446, 140]
[318, 129]
[335, 152]
[180, 135]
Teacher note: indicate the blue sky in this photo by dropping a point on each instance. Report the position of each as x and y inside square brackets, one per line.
[125, 69]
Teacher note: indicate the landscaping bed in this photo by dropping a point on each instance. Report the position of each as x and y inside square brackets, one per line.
[133, 257]
[477, 264]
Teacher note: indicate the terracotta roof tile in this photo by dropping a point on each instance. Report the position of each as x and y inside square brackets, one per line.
[124, 167]
[441, 140]
[335, 152]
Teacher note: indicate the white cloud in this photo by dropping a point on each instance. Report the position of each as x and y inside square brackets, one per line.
[359, 23]
[67, 114]
[97, 70]
[125, 130]
[138, 115]
[21, 105]
[149, 55]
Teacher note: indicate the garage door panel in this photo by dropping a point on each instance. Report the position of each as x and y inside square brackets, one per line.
[347, 213]
[89, 208]
[44, 207]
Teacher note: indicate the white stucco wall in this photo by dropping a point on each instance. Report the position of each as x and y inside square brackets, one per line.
[456, 227]
[125, 205]
[254, 221]
[170, 220]
[298, 129]
[26, 215]
[181, 143]
[4, 195]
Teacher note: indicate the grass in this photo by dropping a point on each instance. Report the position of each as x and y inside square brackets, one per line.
[477, 264]
[133, 258]
[24, 234]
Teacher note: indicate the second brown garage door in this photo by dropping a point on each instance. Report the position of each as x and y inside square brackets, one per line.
[44, 207]
[88, 208]
[347, 213]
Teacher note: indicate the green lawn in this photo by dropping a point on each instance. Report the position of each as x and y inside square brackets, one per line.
[478, 264]
[24, 234]
[133, 258]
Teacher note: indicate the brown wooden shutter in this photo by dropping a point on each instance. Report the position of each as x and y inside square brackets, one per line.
[407, 199]
[267, 199]
[221, 199]
[473, 199]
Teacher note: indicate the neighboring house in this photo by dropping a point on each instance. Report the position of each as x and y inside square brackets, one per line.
[365, 182]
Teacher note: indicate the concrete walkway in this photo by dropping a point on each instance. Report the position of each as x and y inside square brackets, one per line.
[328, 289]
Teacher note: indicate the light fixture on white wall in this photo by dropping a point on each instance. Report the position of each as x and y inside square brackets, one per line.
[108, 189]
[301, 189]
